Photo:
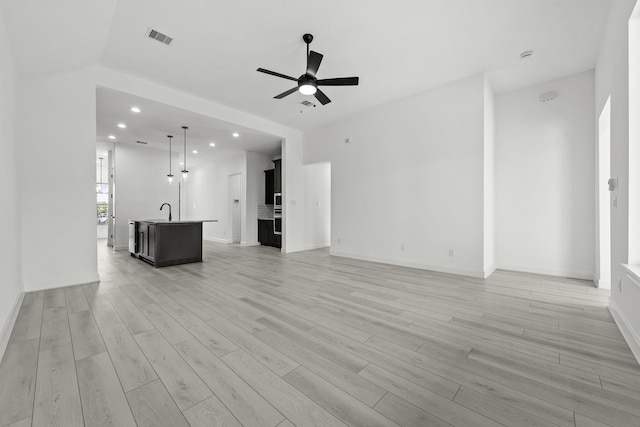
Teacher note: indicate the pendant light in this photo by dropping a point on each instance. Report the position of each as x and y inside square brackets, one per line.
[170, 175]
[99, 186]
[185, 172]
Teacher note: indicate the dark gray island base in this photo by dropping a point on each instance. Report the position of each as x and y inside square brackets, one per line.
[162, 243]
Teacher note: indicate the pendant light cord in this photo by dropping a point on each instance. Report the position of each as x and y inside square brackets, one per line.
[185, 149]
[170, 137]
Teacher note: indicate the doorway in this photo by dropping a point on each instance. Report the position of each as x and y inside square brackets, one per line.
[603, 256]
[235, 208]
[317, 190]
[235, 222]
[102, 195]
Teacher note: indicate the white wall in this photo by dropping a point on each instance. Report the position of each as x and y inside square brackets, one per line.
[293, 196]
[141, 186]
[602, 275]
[545, 178]
[10, 255]
[489, 254]
[412, 174]
[207, 195]
[612, 79]
[256, 165]
[56, 172]
[634, 137]
[317, 205]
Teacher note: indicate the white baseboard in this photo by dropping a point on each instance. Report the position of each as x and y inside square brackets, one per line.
[250, 244]
[5, 333]
[630, 335]
[412, 264]
[317, 246]
[312, 247]
[303, 248]
[489, 270]
[60, 284]
[121, 248]
[216, 239]
[548, 271]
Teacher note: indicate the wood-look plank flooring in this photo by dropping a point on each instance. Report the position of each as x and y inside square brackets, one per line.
[252, 337]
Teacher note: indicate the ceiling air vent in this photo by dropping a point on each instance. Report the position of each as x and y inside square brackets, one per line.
[548, 96]
[156, 35]
[307, 103]
[142, 142]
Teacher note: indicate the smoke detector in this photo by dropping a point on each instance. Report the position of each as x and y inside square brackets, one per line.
[548, 96]
[157, 35]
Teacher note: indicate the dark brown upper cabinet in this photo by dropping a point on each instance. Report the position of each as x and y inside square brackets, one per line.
[277, 179]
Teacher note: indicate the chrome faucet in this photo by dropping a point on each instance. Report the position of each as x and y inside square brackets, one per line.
[162, 206]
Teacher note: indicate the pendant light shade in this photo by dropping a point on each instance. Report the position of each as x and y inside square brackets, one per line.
[170, 175]
[185, 171]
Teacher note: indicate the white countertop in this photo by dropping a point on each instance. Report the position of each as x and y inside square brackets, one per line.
[166, 221]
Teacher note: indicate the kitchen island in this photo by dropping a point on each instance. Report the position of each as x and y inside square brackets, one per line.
[162, 243]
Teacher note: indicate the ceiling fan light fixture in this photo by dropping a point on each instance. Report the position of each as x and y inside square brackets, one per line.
[307, 89]
[308, 82]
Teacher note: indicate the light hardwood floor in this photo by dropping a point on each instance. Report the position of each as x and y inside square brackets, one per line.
[251, 337]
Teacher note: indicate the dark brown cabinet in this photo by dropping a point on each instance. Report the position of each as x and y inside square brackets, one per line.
[277, 178]
[162, 243]
[266, 236]
[272, 182]
[143, 239]
[268, 186]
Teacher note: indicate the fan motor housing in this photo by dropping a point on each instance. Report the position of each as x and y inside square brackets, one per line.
[306, 79]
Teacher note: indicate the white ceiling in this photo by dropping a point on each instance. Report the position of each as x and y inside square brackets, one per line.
[156, 120]
[397, 48]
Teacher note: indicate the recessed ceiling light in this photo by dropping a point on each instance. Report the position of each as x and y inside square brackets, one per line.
[195, 151]
[122, 125]
[111, 137]
[236, 134]
[135, 109]
[182, 163]
[212, 144]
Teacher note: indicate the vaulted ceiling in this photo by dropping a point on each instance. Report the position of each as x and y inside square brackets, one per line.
[398, 48]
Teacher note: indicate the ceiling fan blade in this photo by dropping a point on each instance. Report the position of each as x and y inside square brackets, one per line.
[273, 73]
[287, 93]
[339, 81]
[313, 62]
[320, 96]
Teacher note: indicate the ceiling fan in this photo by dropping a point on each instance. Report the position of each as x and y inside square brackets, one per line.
[308, 82]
